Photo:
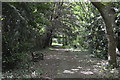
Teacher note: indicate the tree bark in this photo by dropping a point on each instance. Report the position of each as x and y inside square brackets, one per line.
[108, 16]
[48, 37]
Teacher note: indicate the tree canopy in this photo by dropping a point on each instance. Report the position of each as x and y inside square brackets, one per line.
[28, 27]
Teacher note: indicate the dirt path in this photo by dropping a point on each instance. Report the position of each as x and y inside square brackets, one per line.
[66, 63]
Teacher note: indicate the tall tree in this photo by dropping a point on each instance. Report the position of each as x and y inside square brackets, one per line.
[107, 13]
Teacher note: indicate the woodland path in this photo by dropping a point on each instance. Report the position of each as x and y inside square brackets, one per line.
[67, 63]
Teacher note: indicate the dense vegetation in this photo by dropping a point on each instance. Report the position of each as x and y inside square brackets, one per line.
[28, 27]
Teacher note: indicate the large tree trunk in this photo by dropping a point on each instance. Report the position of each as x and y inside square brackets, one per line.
[107, 13]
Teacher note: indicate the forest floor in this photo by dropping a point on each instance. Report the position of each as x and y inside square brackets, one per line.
[65, 63]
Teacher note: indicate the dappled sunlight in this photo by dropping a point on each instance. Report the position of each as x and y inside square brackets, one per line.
[95, 70]
[102, 68]
[75, 70]
[59, 64]
[101, 64]
[60, 40]
[80, 60]
[87, 72]
[79, 67]
[76, 64]
[87, 61]
[34, 74]
[68, 72]
[90, 61]
[65, 50]
[71, 71]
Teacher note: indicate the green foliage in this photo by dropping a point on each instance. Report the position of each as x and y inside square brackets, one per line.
[31, 26]
[91, 30]
[20, 32]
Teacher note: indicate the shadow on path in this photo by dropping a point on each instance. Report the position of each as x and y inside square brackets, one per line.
[65, 63]
[70, 63]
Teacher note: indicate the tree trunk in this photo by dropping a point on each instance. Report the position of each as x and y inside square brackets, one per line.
[66, 40]
[108, 16]
[63, 42]
[48, 37]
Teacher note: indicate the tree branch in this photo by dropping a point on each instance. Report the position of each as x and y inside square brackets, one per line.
[98, 5]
